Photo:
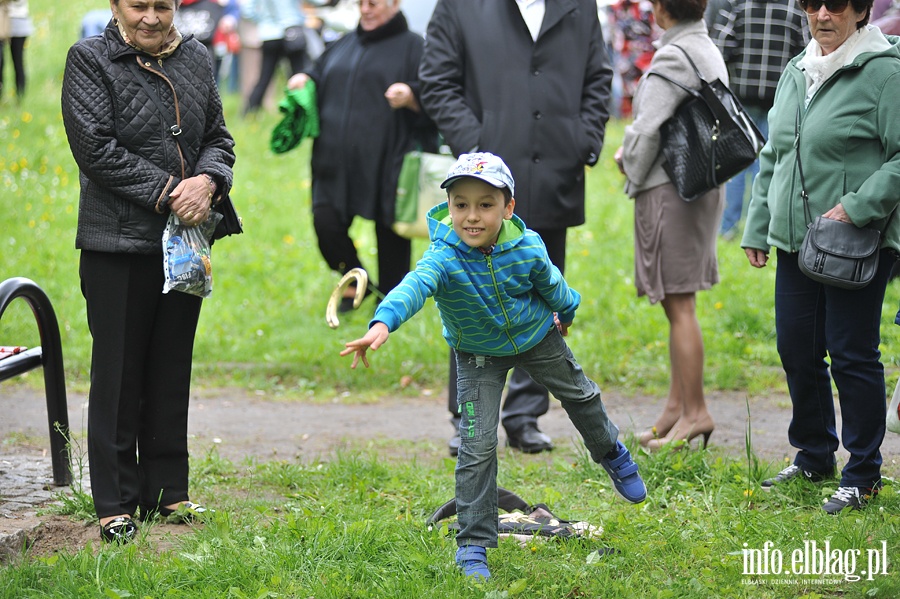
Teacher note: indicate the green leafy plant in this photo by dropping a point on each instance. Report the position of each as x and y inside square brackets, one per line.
[76, 500]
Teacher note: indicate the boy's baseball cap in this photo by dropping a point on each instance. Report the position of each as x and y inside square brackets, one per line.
[484, 166]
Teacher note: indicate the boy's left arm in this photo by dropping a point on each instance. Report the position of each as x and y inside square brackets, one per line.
[400, 304]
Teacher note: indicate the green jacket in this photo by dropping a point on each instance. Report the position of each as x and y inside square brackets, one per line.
[301, 118]
[849, 148]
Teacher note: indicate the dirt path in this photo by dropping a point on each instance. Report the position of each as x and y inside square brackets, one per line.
[241, 424]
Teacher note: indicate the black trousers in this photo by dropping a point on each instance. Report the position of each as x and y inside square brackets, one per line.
[525, 400]
[814, 322]
[273, 52]
[17, 52]
[394, 252]
[143, 342]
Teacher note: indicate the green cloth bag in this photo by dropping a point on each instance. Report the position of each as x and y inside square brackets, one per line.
[419, 190]
[301, 119]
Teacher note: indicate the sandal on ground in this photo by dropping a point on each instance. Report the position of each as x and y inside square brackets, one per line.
[119, 530]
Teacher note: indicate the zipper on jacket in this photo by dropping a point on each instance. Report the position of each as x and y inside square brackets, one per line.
[490, 265]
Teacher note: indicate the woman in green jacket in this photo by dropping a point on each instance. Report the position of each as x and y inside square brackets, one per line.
[836, 113]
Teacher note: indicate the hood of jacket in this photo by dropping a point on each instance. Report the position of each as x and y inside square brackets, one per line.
[440, 228]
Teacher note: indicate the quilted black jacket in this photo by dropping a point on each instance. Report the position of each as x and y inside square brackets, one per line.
[127, 157]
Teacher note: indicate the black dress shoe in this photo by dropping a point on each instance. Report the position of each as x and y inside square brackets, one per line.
[119, 530]
[529, 439]
[454, 444]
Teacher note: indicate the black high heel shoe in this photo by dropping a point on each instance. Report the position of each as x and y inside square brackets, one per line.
[119, 530]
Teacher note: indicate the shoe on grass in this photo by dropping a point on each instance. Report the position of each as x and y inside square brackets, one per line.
[454, 444]
[853, 498]
[624, 474]
[792, 472]
[472, 560]
[528, 438]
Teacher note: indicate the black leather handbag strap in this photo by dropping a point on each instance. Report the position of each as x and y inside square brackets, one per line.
[803, 194]
[689, 90]
[705, 92]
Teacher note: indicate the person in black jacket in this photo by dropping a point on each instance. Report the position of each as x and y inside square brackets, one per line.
[369, 116]
[123, 92]
[529, 82]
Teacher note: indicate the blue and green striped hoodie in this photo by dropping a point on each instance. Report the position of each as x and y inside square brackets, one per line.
[499, 304]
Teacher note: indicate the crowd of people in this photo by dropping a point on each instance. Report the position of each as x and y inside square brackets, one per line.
[521, 92]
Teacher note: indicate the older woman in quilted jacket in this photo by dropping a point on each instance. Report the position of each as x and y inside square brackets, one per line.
[133, 174]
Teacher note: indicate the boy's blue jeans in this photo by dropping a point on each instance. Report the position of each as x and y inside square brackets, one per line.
[481, 380]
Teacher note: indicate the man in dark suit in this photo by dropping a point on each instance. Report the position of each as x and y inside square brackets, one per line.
[530, 81]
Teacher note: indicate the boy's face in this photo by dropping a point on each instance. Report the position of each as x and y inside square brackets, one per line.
[477, 211]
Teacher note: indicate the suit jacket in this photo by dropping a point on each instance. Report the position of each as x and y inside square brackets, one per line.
[540, 105]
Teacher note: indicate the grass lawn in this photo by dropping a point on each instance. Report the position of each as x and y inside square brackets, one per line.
[353, 526]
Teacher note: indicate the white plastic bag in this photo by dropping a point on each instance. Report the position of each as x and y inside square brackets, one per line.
[187, 263]
[893, 418]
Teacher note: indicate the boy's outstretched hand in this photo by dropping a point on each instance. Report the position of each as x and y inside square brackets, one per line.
[374, 339]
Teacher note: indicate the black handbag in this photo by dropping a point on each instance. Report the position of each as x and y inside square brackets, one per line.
[834, 252]
[231, 223]
[709, 139]
[839, 254]
[294, 39]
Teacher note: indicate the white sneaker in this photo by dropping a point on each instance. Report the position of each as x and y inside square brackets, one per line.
[790, 473]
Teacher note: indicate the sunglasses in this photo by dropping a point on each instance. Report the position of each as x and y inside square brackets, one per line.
[835, 7]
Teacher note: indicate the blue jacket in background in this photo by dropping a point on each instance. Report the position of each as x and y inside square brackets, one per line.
[500, 304]
[272, 17]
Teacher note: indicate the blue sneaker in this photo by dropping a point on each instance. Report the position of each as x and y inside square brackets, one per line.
[624, 474]
[472, 559]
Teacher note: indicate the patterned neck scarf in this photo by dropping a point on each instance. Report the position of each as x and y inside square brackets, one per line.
[818, 68]
[173, 40]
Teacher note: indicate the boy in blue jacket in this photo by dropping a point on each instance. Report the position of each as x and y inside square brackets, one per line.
[503, 304]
